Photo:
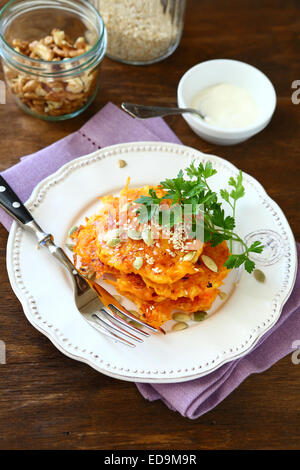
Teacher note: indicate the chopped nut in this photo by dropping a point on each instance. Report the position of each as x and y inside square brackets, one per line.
[80, 43]
[62, 53]
[66, 44]
[48, 40]
[52, 97]
[74, 85]
[76, 53]
[88, 81]
[43, 52]
[30, 95]
[122, 163]
[39, 91]
[30, 86]
[53, 105]
[20, 46]
[74, 96]
[58, 36]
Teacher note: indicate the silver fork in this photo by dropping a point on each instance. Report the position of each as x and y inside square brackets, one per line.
[99, 308]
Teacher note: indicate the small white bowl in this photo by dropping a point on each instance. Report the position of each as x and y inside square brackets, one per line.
[234, 72]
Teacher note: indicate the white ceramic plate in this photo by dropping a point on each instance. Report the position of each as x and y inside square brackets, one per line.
[45, 291]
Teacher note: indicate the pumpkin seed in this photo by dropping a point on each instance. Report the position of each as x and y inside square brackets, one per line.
[122, 316]
[113, 242]
[114, 233]
[179, 317]
[222, 295]
[179, 326]
[90, 274]
[138, 262]
[199, 316]
[259, 275]
[112, 237]
[126, 206]
[116, 310]
[73, 230]
[209, 263]
[147, 236]
[134, 323]
[134, 234]
[189, 256]
[70, 246]
[134, 312]
[122, 163]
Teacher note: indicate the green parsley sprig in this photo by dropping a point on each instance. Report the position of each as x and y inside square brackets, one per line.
[205, 207]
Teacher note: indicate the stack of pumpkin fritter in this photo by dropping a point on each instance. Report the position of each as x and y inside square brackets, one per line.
[153, 266]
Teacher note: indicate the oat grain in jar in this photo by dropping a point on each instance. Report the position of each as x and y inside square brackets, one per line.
[51, 51]
[142, 32]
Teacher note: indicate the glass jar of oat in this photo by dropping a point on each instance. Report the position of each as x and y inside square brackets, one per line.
[142, 31]
[51, 51]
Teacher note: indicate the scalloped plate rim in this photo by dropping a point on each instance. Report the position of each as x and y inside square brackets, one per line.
[140, 146]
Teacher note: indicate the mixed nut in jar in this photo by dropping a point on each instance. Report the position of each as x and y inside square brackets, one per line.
[51, 51]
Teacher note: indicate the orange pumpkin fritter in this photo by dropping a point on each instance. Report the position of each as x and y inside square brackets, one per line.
[157, 268]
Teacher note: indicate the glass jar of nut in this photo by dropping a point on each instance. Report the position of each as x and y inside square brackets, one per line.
[142, 32]
[51, 51]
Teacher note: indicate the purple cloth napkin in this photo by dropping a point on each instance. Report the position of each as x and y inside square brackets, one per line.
[108, 127]
[195, 398]
[112, 126]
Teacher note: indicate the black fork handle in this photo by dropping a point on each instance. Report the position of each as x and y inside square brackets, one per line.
[11, 203]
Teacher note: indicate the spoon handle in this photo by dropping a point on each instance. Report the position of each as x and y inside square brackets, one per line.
[144, 112]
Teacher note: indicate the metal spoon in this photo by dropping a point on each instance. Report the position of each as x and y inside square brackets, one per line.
[144, 112]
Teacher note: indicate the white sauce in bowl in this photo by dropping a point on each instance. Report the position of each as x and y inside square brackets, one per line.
[226, 105]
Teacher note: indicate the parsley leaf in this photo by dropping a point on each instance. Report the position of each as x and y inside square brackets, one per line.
[199, 204]
[256, 247]
[239, 190]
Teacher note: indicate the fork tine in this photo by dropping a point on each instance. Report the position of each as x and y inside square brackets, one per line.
[109, 301]
[115, 316]
[129, 315]
[102, 329]
[115, 328]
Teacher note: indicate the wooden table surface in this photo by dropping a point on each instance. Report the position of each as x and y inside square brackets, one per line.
[49, 401]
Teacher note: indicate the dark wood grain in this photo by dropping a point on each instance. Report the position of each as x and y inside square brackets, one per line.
[50, 401]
